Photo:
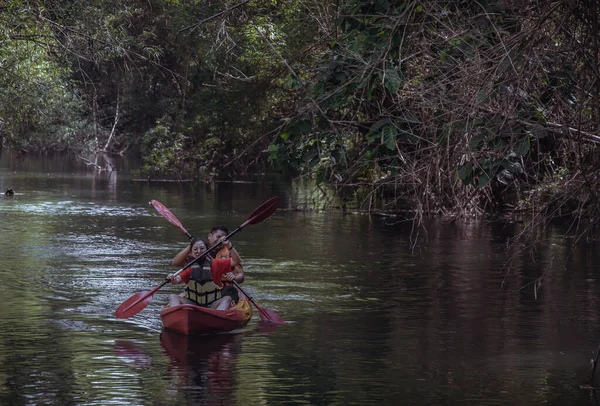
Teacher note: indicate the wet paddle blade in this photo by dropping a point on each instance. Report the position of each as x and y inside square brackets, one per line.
[166, 213]
[263, 206]
[269, 315]
[265, 314]
[264, 211]
[134, 305]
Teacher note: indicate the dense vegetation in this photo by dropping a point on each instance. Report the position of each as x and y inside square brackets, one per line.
[451, 107]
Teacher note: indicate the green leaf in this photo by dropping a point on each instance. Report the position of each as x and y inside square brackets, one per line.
[392, 81]
[363, 83]
[320, 177]
[322, 123]
[465, 173]
[304, 126]
[538, 131]
[484, 179]
[284, 135]
[336, 156]
[407, 136]
[311, 156]
[497, 143]
[476, 142]
[374, 131]
[291, 83]
[388, 137]
[375, 127]
[370, 155]
[370, 92]
[522, 146]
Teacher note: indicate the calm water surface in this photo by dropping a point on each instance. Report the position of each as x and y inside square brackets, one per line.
[376, 314]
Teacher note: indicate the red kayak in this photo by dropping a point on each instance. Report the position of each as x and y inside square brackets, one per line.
[190, 319]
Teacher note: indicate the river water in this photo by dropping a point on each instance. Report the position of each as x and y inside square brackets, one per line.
[378, 311]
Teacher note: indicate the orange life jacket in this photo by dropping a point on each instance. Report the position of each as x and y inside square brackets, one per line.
[223, 253]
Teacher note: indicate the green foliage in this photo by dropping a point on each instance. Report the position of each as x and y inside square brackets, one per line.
[437, 99]
[406, 83]
[38, 107]
[164, 153]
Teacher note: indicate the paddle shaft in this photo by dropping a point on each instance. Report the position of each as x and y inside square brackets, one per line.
[209, 250]
[258, 215]
[204, 254]
[192, 262]
[255, 218]
[260, 309]
[139, 301]
[237, 285]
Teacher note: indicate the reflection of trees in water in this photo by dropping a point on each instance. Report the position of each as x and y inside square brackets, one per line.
[112, 185]
[203, 366]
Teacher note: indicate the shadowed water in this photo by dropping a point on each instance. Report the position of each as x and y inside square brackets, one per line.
[376, 313]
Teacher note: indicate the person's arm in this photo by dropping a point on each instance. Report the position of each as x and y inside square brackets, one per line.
[235, 257]
[236, 265]
[182, 277]
[238, 273]
[181, 258]
[233, 254]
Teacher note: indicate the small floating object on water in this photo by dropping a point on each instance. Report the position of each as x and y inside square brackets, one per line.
[9, 192]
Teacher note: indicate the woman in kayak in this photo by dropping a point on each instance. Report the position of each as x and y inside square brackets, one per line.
[204, 281]
[216, 235]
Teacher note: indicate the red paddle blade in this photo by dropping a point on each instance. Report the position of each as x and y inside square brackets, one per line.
[265, 314]
[263, 211]
[269, 315]
[166, 213]
[134, 305]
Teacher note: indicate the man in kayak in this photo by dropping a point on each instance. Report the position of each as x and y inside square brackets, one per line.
[219, 233]
[204, 282]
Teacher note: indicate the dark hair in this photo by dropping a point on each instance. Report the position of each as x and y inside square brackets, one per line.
[195, 240]
[219, 227]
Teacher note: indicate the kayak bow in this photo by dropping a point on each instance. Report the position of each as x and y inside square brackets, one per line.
[190, 319]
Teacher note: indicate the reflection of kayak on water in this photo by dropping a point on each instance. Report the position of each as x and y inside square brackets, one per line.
[191, 319]
[188, 350]
[203, 366]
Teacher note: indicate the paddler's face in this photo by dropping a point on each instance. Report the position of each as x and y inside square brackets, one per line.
[215, 236]
[198, 249]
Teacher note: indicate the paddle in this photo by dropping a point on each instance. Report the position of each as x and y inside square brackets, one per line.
[166, 213]
[265, 314]
[140, 300]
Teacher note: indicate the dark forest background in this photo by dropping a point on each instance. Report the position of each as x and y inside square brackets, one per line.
[456, 108]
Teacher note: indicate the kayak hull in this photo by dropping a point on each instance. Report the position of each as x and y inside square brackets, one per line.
[190, 319]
